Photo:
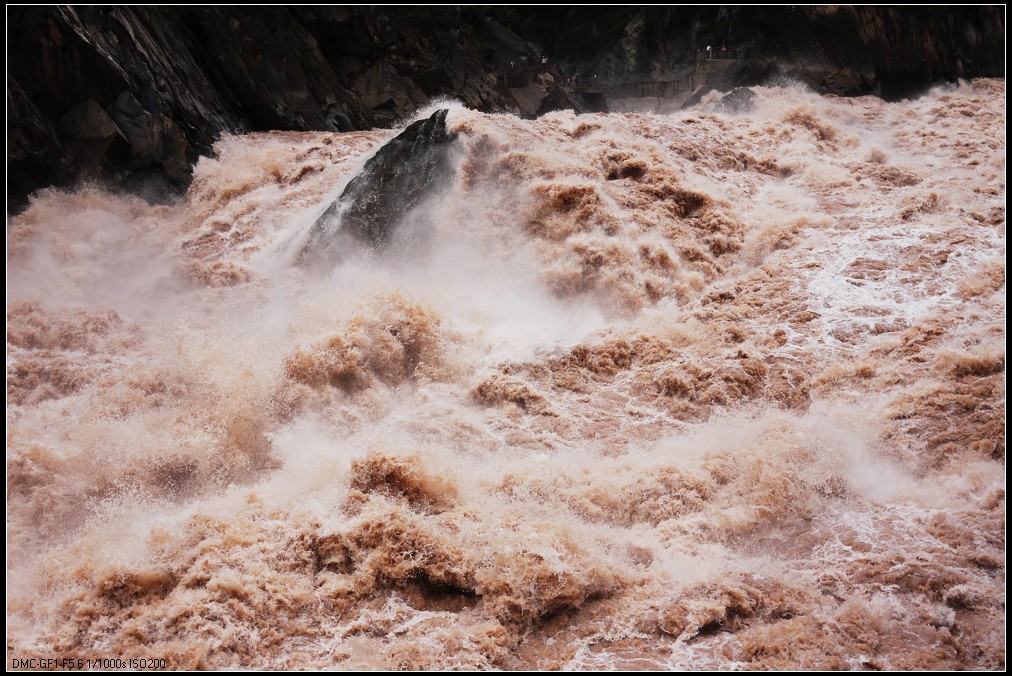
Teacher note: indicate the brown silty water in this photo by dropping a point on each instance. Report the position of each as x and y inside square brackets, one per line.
[697, 391]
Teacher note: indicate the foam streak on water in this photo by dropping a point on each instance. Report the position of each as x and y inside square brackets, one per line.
[698, 391]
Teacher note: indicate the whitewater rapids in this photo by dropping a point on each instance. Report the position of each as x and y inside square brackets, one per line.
[634, 391]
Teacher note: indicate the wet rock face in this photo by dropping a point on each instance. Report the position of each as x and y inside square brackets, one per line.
[739, 101]
[172, 79]
[407, 169]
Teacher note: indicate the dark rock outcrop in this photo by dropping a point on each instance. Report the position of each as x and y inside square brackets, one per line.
[738, 101]
[408, 168]
[890, 51]
[171, 79]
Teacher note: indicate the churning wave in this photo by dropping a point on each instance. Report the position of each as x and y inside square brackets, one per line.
[707, 390]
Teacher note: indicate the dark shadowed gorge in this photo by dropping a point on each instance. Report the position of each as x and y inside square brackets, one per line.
[133, 95]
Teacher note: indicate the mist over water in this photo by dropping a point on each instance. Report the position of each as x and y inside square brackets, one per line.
[633, 391]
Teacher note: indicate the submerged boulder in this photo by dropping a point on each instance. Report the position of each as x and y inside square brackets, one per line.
[739, 101]
[405, 170]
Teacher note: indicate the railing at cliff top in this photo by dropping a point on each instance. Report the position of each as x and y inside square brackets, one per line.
[718, 54]
[647, 88]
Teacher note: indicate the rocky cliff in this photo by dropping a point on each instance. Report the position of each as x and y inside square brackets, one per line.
[133, 95]
[892, 52]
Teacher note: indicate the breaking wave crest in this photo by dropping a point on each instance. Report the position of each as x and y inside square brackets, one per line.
[633, 391]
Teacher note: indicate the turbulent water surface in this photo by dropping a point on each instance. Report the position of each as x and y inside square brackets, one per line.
[632, 391]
